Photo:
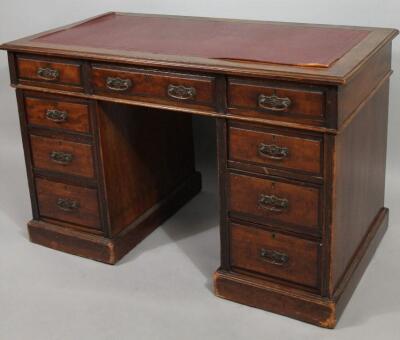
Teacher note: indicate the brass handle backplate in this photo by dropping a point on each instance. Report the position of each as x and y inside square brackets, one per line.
[274, 103]
[273, 203]
[67, 204]
[56, 116]
[273, 151]
[181, 92]
[118, 84]
[48, 73]
[274, 257]
[61, 157]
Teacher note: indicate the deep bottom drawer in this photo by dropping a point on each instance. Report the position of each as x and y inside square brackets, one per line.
[275, 254]
[68, 203]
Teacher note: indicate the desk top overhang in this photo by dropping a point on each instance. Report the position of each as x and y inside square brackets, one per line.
[316, 53]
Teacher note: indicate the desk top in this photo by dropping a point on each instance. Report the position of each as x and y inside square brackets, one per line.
[313, 51]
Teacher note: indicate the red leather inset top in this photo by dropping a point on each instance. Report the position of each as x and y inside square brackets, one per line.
[215, 39]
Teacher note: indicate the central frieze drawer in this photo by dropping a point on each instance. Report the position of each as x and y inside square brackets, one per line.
[274, 202]
[156, 86]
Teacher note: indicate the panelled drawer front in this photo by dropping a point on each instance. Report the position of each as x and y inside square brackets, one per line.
[276, 150]
[55, 71]
[62, 156]
[57, 114]
[273, 202]
[155, 86]
[68, 203]
[275, 254]
[264, 100]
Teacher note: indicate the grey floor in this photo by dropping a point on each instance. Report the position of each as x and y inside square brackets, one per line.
[163, 288]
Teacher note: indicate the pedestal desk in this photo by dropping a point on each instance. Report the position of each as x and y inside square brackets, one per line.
[301, 110]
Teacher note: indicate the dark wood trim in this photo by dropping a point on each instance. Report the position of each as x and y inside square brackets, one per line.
[27, 152]
[12, 68]
[222, 172]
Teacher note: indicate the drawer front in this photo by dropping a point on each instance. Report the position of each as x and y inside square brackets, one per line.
[273, 202]
[159, 87]
[262, 100]
[62, 156]
[68, 203]
[57, 114]
[275, 254]
[275, 150]
[56, 71]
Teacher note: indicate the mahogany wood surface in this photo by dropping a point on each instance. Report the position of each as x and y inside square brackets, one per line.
[303, 154]
[76, 114]
[301, 149]
[86, 212]
[301, 266]
[81, 163]
[303, 201]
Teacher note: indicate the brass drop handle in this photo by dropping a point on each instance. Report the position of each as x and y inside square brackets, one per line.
[67, 204]
[273, 151]
[273, 203]
[274, 257]
[60, 157]
[181, 92]
[118, 84]
[48, 73]
[274, 103]
[56, 116]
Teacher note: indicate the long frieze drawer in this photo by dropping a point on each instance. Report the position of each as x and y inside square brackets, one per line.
[68, 203]
[161, 87]
[274, 254]
[62, 156]
[277, 150]
[56, 114]
[265, 100]
[273, 202]
[49, 71]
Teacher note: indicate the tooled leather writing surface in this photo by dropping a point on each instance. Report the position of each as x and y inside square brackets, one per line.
[214, 39]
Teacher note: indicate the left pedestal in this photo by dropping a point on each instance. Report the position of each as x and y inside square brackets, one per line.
[103, 176]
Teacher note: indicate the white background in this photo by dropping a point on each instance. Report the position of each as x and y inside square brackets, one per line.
[162, 290]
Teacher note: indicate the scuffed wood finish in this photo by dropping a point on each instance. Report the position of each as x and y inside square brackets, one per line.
[300, 153]
[77, 113]
[81, 163]
[152, 85]
[301, 263]
[86, 212]
[303, 208]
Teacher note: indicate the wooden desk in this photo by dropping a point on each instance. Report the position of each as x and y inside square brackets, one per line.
[301, 113]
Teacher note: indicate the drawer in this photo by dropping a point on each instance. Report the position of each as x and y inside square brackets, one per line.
[62, 156]
[265, 100]
[55, 71]
[277, 150]
[68, 203]
[158, 87]
[57, 114]
[274, 254]
[273, 202]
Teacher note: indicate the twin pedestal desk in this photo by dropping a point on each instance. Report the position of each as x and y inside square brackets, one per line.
[301, 113]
